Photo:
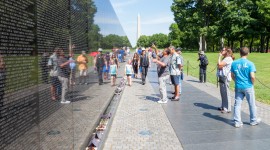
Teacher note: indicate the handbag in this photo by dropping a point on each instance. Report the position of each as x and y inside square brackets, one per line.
[222, 79]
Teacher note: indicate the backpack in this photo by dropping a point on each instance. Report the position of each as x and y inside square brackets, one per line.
[204, 61]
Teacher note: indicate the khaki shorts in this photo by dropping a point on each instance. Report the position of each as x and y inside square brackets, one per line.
[83, 72]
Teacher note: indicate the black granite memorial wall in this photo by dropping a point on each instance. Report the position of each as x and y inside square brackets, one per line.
[19, 109]
[29, 32]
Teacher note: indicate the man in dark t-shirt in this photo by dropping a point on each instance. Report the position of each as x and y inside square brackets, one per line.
[144, 64]
[100, 63]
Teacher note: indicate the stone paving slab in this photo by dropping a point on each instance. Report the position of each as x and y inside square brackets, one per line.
[262, 109]
[140, 122]
[199, 125]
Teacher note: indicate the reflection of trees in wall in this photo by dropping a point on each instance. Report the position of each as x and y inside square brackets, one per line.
[79, 24]
[94, 37]
[113, 40]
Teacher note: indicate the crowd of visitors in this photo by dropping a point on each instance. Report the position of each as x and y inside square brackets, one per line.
[169, 64]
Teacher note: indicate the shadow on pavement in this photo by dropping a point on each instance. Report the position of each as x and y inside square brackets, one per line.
[151, 98]
[217, 117]
[194, 81]
[205, 106]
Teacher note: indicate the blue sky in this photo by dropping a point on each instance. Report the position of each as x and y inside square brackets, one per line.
[156, 17]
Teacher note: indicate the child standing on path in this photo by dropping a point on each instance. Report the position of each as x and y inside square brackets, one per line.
[113, 72]
[129, 71]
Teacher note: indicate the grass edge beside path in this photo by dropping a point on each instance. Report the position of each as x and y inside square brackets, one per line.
[260, 60]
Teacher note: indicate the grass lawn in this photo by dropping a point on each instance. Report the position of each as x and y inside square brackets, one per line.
[261, 61]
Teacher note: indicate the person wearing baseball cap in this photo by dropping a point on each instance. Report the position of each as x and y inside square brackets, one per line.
[100, 63]
[203, 66]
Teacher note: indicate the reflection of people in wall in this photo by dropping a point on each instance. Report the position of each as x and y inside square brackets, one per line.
[72, 67]
[44, 67]
[2, 79]
[63, 74]
[82, 62]
[55, 83]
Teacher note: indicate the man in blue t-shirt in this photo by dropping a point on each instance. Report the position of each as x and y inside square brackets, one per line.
[139, 51]
[243, 73]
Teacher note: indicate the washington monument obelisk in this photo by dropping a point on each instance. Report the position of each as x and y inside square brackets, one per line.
[138, 27]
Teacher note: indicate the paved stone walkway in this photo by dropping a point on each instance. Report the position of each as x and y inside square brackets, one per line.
[192, 123]
[140, 122]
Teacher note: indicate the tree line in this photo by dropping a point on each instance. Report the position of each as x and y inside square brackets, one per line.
[159, 39]
[216, 23]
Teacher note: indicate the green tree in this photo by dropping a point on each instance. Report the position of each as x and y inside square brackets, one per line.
[198, 17]
[175, 35]
[160, 40]
[113, 40]
[264, 19]
[125, 41]
[143, 41]
[236, 22]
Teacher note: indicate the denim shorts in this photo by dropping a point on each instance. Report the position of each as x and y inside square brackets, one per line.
[175, 79]
[106, 70]
[54, 80]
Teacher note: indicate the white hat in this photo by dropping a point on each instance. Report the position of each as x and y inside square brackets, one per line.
[100, 49]
[143, 49]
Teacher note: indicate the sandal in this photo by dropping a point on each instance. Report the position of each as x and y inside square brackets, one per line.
[53, 98]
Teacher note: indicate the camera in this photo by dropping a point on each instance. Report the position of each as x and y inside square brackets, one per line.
[154, 55]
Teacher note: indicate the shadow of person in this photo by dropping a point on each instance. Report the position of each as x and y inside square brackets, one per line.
[205, 106]
[193, 81]
[218, 118]
[151, 98]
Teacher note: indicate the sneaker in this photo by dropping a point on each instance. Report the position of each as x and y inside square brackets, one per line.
[258, 121]
[175, 99]
[162, 102]
[65, 102]
[220, 108]
[238, 125]
[225, 111]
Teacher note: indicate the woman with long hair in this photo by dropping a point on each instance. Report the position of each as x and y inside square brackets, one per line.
[115, 59]
[135, 64]
[224, 64]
